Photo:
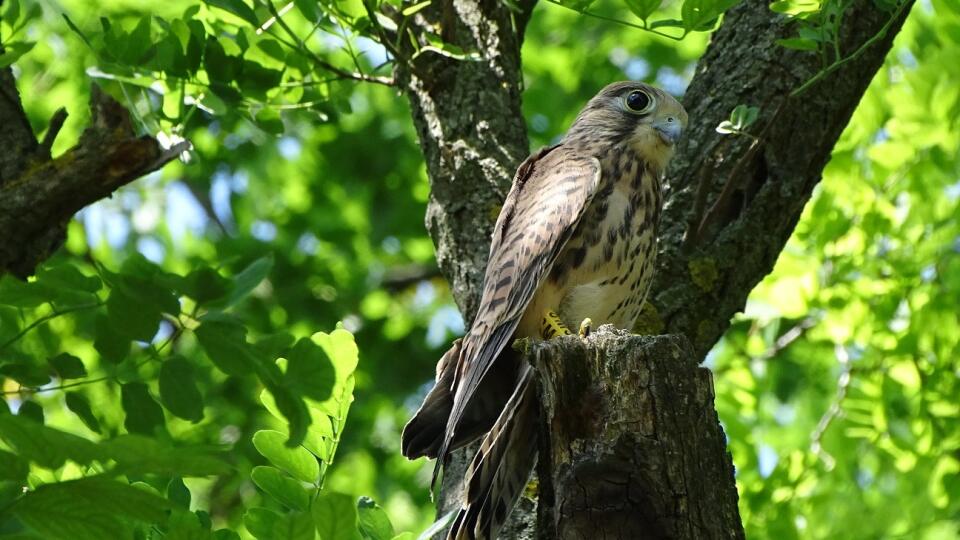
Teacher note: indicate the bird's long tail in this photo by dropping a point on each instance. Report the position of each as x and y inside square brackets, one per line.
[423, 434]
[501, 468]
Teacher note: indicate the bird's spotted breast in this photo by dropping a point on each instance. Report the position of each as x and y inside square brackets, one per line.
[606, 268]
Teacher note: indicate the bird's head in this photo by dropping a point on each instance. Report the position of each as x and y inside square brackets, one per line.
[646, 118]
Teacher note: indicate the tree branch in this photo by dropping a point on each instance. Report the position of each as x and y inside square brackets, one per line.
[36, 204]
[699, 288]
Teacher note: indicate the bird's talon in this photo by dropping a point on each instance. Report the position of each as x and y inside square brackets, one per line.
[552, 326]
[532, 489]
[585, 326]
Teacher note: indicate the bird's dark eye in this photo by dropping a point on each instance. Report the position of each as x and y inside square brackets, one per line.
[639, 101]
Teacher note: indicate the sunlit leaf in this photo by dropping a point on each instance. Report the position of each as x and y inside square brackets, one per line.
[296, 461]
[284, 489]
[335, 516]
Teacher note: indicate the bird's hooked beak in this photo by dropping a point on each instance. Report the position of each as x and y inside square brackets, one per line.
[669, 129]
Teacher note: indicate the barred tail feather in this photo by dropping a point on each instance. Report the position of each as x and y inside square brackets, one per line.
[501, 468]
[424, 433]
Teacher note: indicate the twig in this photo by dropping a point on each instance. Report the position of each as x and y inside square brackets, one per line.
[56, 124]
[703, 190]
[386, 81]
[46, 318]
[789, 337]
[643, 26]
[733, 179]
[834, 411]
[856, 54]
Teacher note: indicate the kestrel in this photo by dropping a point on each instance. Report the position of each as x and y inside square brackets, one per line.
[575, 242]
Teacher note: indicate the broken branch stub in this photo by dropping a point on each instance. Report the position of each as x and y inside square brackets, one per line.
[631, 446]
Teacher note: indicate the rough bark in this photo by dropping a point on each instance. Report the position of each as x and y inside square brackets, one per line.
[632, 445]
[471, 129]
[467, 116]
[699, 288]
[38, 194]
[473, 136]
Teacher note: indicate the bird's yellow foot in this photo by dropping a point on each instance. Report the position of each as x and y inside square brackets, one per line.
[532, 489]
[551, 326]
[585, 327]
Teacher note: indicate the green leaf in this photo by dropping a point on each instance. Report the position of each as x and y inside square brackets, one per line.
[408, 11]
[13, 51]
[112, 346]
[373, 520]
[13, 468]
[293, 409]
[88, 508]
[178, 493]
[226, 345]
[205, 285]
[269, 121]
[281, 487]
[144, 455]
[800, 44]
[296, 461]
[220, 67]
[14, 292]
[238, 8]
[274, 345]
[25, 374]
[310, 9]
[68, 366]
[12, 13]
[138, 45]
[129, 316]
[272, 47]
[178, 389]
[726, 127]
[294, 526]
[31, 410]
[195, 45]
[142, 413]
[249, 278]
[80, 406]
[341, 349]
[666, 23]
[184, 525]
[68, 277]
[260, 522]
[310, 371]
[643, 8]
[77, 31]
[335, 516]
[47, 447]
[319, 433]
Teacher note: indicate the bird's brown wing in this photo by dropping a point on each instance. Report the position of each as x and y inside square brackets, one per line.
[549, 195]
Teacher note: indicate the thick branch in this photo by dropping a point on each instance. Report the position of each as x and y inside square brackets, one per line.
[36, 204]
[631, 444]
[698, 290]
[16, 136]
[471, 128]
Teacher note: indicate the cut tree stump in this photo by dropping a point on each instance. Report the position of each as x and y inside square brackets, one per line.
[631, 446]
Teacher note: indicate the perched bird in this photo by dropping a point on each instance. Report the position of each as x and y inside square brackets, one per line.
[575, 244]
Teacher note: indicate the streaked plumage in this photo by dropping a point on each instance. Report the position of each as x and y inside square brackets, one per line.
[577, 234]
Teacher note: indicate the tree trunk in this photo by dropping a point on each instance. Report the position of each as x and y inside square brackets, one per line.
[632, 446]
[468, 120]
